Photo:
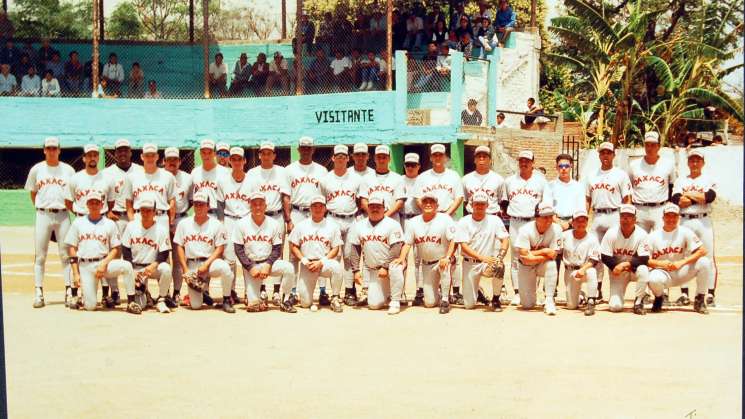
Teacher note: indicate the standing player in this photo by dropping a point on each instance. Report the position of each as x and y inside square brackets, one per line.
[410, 210]
[624, 251]
[201, 240]
[316, 242]
[305, 180]
[386, 183]
[538, 244]
[652, 181]
[90, 179]
[483, 179]
[676, 257]
[47, 183]
[257, 243]
[182, 194]
[118, 172]
[568, 194]
[432, 234]
[694, 194]
[360, 156]
[606, 191]
[154, 183]
[93, 245]
[145, 246]
[521, 194]
[379, 238]
[483, 241]
[222, 150]
[204, 178]
[580, 253]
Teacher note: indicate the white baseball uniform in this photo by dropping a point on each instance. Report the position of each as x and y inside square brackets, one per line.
[389, 185]
[446, 185]
[158, 186]
[483, 237]
[50, 183]
[236, 206]
[182, 193]
[411, 210]
[490, 183]
[119, 178]
[341, 193]
[375, 242]
[206, 182]
[315, 241]
[615, 244]
[673, 246]
[431, 240]
[305, 183]
[651, 183]
[568, 197]
[273, 183]
[145, 244]
[81, 184]
[199, 242]
[94, 241]
[529, 238]
[575, 253]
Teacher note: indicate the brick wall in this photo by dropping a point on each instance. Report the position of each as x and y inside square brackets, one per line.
[545, 149]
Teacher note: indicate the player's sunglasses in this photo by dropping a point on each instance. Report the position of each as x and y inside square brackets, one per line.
[565, 166]
[223, 153]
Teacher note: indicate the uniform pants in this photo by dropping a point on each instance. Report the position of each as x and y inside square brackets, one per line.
[122, 222]
[601, 223]
[573, 286]
[280, 268]
[346, 251]
[46, 224]
[705, 232]
[528, 281]
[618, 284]
[649, 218]
[111, 282]
[380, 290]
[515, 226]
[417, 264]
[218, 269]
[163, 274]
[436, 283]
[307, 280]
[229, 253]
[660, 279]
[89, 282]
[177, 274]
[471, 278]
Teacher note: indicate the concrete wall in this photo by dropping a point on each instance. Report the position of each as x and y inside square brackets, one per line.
[518, 75]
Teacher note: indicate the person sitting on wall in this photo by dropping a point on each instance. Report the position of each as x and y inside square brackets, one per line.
[471, 115]
[278, 72]
[307, 33]
[73, 79]
[370, 71]
[501, 123]
[534, 110]
[152, 91]
[50, 86]
[341, 68]
[717, 140]
[136, 81]
[218, 76]
[259, 74]
[464, 26]
[465, 45]
[8, 83]
[113, 73]
[505, 22]
[241, 75]
[30, 83]
[319, 72]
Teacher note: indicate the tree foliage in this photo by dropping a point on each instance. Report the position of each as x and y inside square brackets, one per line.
[52, 19]
[124, 23]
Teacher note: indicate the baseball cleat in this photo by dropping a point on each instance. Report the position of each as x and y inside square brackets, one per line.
[582, 301]
[350, 299]
[503, 296]
[292, 299]
[456, 299]
[74, 303]
[481, 298]
[107, 302]
[206, 299]
[234, 297]
[683, 300]
[394, 307]
[336, 304]
[647, 299]
[263, 296]
[134, 308]
[419, 298]
[599, 298]
[639, 309]
[657, 304]
[170, 302]
[590, 309]
[162, 307]
[323, 300]
[444, 307]
[549, 307]
[699, 304]
[710, 300]
[287, 307]
[496, 305]
[39, 301]
[226, 306]
[516, 300]
[117, 298]
[276, 299]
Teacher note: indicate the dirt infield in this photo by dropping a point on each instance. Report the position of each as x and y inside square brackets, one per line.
[366, 364]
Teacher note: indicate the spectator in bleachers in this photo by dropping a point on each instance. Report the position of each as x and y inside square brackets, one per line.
[278, 72]
[355, 66]
[74, 73]
[534, 110]
[471, 115]
[136, 81]
[414, 33]
[341, 68]
[501, 123]
[6, 26]
[456, 16]
[152, 91]
[241, 75]
[326, 30]
[9, 54]
[370, 72]
[342, 28]
[440, 33]
[50, 85]
[31, 83]
[505, 22]
[377, 28]
[113, 73]
[465, 45]
[319, 71]
[21, 68]
[259, 74]
[436, 16]
[8, 83]
[399, 30]
[417, 9]
[218, 76]
[434, 67]
[717, 140]
[486, 37]
[307, 32]
[28, 49]
[485, 11]
[88, 73]
[360, 30]
[56, 65]
[45, 53]
[101, 91]
[464, 26]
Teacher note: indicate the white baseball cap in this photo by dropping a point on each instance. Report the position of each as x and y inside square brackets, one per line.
[579, 213]
[525, 154]
[411, 158]
[149, 148]
[545, 209]
[670, 208]
[318, 199]
[147, 203]
[201, 197]
[305, 141]
[222, 147]
[430, 195]
[376, 199]
[94, 194]
[257, 195]
[696, 153]
[437, 148]
[207, 143]
[237, 151]
[172, 152]
[266, 145]
[627, 209]
[90, 147]
[652, 137]
[51, 142]
[480, 196]
[482, 149]
[383, 149]
[341, 149]
[606, 146]
[122, 142]
[359, 148]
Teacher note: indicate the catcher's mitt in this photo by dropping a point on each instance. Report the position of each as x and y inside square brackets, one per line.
[196, 282]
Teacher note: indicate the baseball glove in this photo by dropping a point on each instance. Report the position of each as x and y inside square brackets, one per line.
[196, 282]
[141, 281]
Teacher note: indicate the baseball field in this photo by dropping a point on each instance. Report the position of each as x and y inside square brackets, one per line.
[514, 364]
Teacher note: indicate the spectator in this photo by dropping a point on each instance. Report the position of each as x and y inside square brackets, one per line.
[31, 83]
[440, 33]
[152, 91]
[383, 63]
[100, 92]
[326, 30]
[463, 27]
[136, 81]
[21, 68]
[505, 22]
[319, 72]
[50, 85]
[342, 28]
[56, 65]
[377, 28]
[74, 72]
[360, 30]
[370, 72]
[307, 33]
[241, 75]
[29, 50]
[423, 74]
[471, 115]
[501, 123]
[218, 76]
[436, 16]
[45, 53]
[465, 45]
[9, 54]
[355, 66]
[113, 73]
[417, 9]
[259, 74]
[414, 32]
[88, 73]
[485, 11]
[8, 83]
[717, 140]
[341, 68]
[534, 110]
[457, 15]
[278, 73]
[6, 26]
[486, 37]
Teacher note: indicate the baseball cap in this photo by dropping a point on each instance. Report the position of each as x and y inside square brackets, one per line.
[606, 146]
[545, 209]
[383, 149]
[257, 195]
[579, 213]
[94, 194]
[695, 152]
[237, 151]
[318, 199]
[266, 145]
[411, 158]
[201, 197]
[670, 208]
[207, 143]
[51, 142]
[90, 147]
[341, 149]
[376, 199]
[149, 148]
[430, 195]
[359, 148]
[628, 209]
[652, 137]
[172, 152]
[525, 154]
[305, 141]
[437, 148]
[122, 142]
[223, 147]
[147, 203]
[480, 197]
[482, 149]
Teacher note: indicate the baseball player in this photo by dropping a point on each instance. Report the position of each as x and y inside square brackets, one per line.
[154, 183]
[580, 252]
[222, 151]
[257, 243]
[118, 172]
[410, 210]
[342, 189]
[360, 156]
[93, 246]
[200, 241]
[379, 238]
[386, 183]
[182, 194]
[605, 192]
[316, 242]
[694, 194]
[483, 242]
[432, 234]
[483, 179]
[521, 194]
[652, 182]
[538, 243]
[624, 251]
[204, 178]
[677, 256]
[47, 182]
[145, 246]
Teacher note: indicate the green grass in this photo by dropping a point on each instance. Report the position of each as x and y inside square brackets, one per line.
[16, 208]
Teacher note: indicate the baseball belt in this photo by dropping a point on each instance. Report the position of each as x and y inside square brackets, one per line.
[272, 213]
[407, 216]
[140, 265]
[51, 210]
[235, 217]
[465, 259]
[182, 214]
[571, 267]
[693, 216]
[605, 210]
[157, 212]
[432, 262]
[344, 216]
[301, 209]
[84, 260]
[212, 211]
[79, 214]
[565, 218]
[119, 213]
[522, 218]
[649, 204]
[196, 259]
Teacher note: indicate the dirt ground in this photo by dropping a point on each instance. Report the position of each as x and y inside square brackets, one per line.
[362, 363]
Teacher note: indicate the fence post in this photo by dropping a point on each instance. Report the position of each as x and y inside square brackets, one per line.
[456, 87]
[191, 21]
[95, 57]
[401, 88]
[206, 47]
[389, 44]
[284, 19]
[102, 19]
[298, 45]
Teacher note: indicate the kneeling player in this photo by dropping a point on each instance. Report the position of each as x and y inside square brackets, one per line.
[580, 253]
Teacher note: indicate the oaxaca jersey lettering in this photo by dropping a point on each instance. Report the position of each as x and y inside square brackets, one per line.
[272, 182]
[376, 240]
[93, 240]
[674, 245]
[233, 194]
[305, 182]
[483, 236]
[529, 238]
[607, 188]
[430, 238]
[650, 181]
[199, 241]
[50, 184]
[490, 183]
[315, 240]
[410, 206]
[576, 251]
[182, 191]
[524, 195]
[257, 240]
[446, 185]
[390, 186]
[701, 184]
[145, 243]
[158, 186]
[341, 192]
[568, 197]
[119, 179]
[206, 182]
[616, 244]
[82, 184]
